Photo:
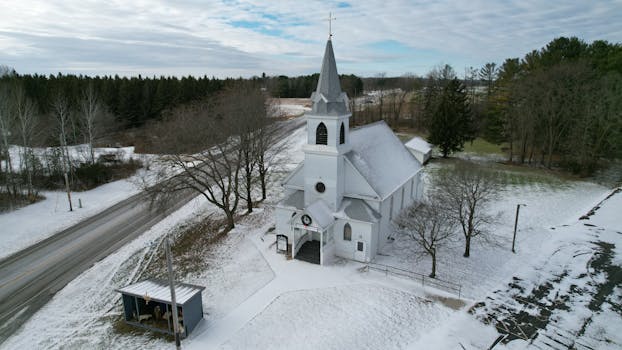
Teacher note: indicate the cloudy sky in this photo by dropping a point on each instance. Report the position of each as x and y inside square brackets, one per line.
[247, 37]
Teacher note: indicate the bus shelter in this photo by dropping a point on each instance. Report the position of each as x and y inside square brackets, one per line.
[147, 304]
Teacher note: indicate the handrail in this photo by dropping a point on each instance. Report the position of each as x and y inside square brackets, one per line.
[448, 286]
[300, 242]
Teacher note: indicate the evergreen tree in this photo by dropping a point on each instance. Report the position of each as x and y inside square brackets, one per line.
[451, 124]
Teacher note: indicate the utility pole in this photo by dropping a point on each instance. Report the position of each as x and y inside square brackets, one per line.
[516, 225]
[171, 282]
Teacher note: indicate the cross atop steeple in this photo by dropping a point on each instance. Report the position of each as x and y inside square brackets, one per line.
[330, 29]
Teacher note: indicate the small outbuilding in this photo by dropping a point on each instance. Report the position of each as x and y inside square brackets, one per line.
[420, 148]
[148, 304]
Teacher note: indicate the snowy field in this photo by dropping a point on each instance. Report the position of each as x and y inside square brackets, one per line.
[30, 224]
[256, 299]
[363, 316]
[294, 106]
[492, 262]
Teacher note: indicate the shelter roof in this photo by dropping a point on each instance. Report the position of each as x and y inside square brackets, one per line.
[159, 290]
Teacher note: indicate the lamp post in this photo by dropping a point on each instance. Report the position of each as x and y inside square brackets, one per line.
[516, 225]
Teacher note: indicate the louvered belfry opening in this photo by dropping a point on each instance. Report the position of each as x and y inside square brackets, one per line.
[321, 135]
[342, 135]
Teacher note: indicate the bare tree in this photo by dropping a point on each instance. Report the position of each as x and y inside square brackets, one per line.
[245, 106]
[267, 146]
[202, 153]
[90, 111]
[429, 225]
[466, 191]
[61, 111]
[7, 124]
[397, 100]
[26, 112]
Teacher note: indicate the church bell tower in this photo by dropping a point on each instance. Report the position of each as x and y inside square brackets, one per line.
[327, 136]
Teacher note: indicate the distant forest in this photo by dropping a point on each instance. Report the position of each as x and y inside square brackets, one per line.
[559, 105]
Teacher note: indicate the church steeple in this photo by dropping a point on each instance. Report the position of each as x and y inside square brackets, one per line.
[327, 137]
[328, 84]
[328, 99]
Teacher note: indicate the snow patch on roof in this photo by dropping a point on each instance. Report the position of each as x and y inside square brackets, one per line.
[419, 144]
[381, 158]
[296, 200]
[159, 290]
[357, 209]
[321, 213]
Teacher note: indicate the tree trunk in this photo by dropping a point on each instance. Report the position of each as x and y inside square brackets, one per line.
[230, 220]
[511, 149]
[467, 247]
[433, 274]
[249, 198]
[262, 179]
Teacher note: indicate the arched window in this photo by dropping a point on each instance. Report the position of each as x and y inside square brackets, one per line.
[347, 232]
[342, 135]
[321, 135]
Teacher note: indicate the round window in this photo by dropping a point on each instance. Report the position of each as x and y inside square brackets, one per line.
[320, 187]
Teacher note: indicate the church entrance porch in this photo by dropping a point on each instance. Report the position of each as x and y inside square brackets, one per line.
[311, 245]
[309, 252]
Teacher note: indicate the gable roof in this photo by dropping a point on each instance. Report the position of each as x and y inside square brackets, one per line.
[296, 200]
[418, 144]
[381, 158]
[159, 290]
[321, 213]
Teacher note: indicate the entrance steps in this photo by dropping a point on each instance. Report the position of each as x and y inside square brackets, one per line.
[309, 252]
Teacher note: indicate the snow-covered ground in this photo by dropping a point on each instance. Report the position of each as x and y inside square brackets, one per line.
[30, 224]
[77, 154]
[256, 299]
[492, 262]
[566, 297]
[33, 223]
[293, 106]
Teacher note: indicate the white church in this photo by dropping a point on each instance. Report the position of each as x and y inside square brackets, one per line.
[341, 199]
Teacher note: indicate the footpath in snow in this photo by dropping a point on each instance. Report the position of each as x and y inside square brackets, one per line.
[305, 305]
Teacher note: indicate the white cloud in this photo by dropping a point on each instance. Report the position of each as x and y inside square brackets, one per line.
[199, 37]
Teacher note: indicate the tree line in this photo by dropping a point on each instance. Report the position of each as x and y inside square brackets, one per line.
[133, 101]
[557, 106]
[560, 105]
[302, 86]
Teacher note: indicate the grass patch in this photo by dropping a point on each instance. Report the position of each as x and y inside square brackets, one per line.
[481, 146]
[508, 174]
[119, 326]
[9, 202]
[189, 248]
[478, 146]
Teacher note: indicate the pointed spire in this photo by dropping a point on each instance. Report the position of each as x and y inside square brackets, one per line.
[328, 84]
[328, 99]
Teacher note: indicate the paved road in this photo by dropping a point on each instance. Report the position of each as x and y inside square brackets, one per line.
[29, 278]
